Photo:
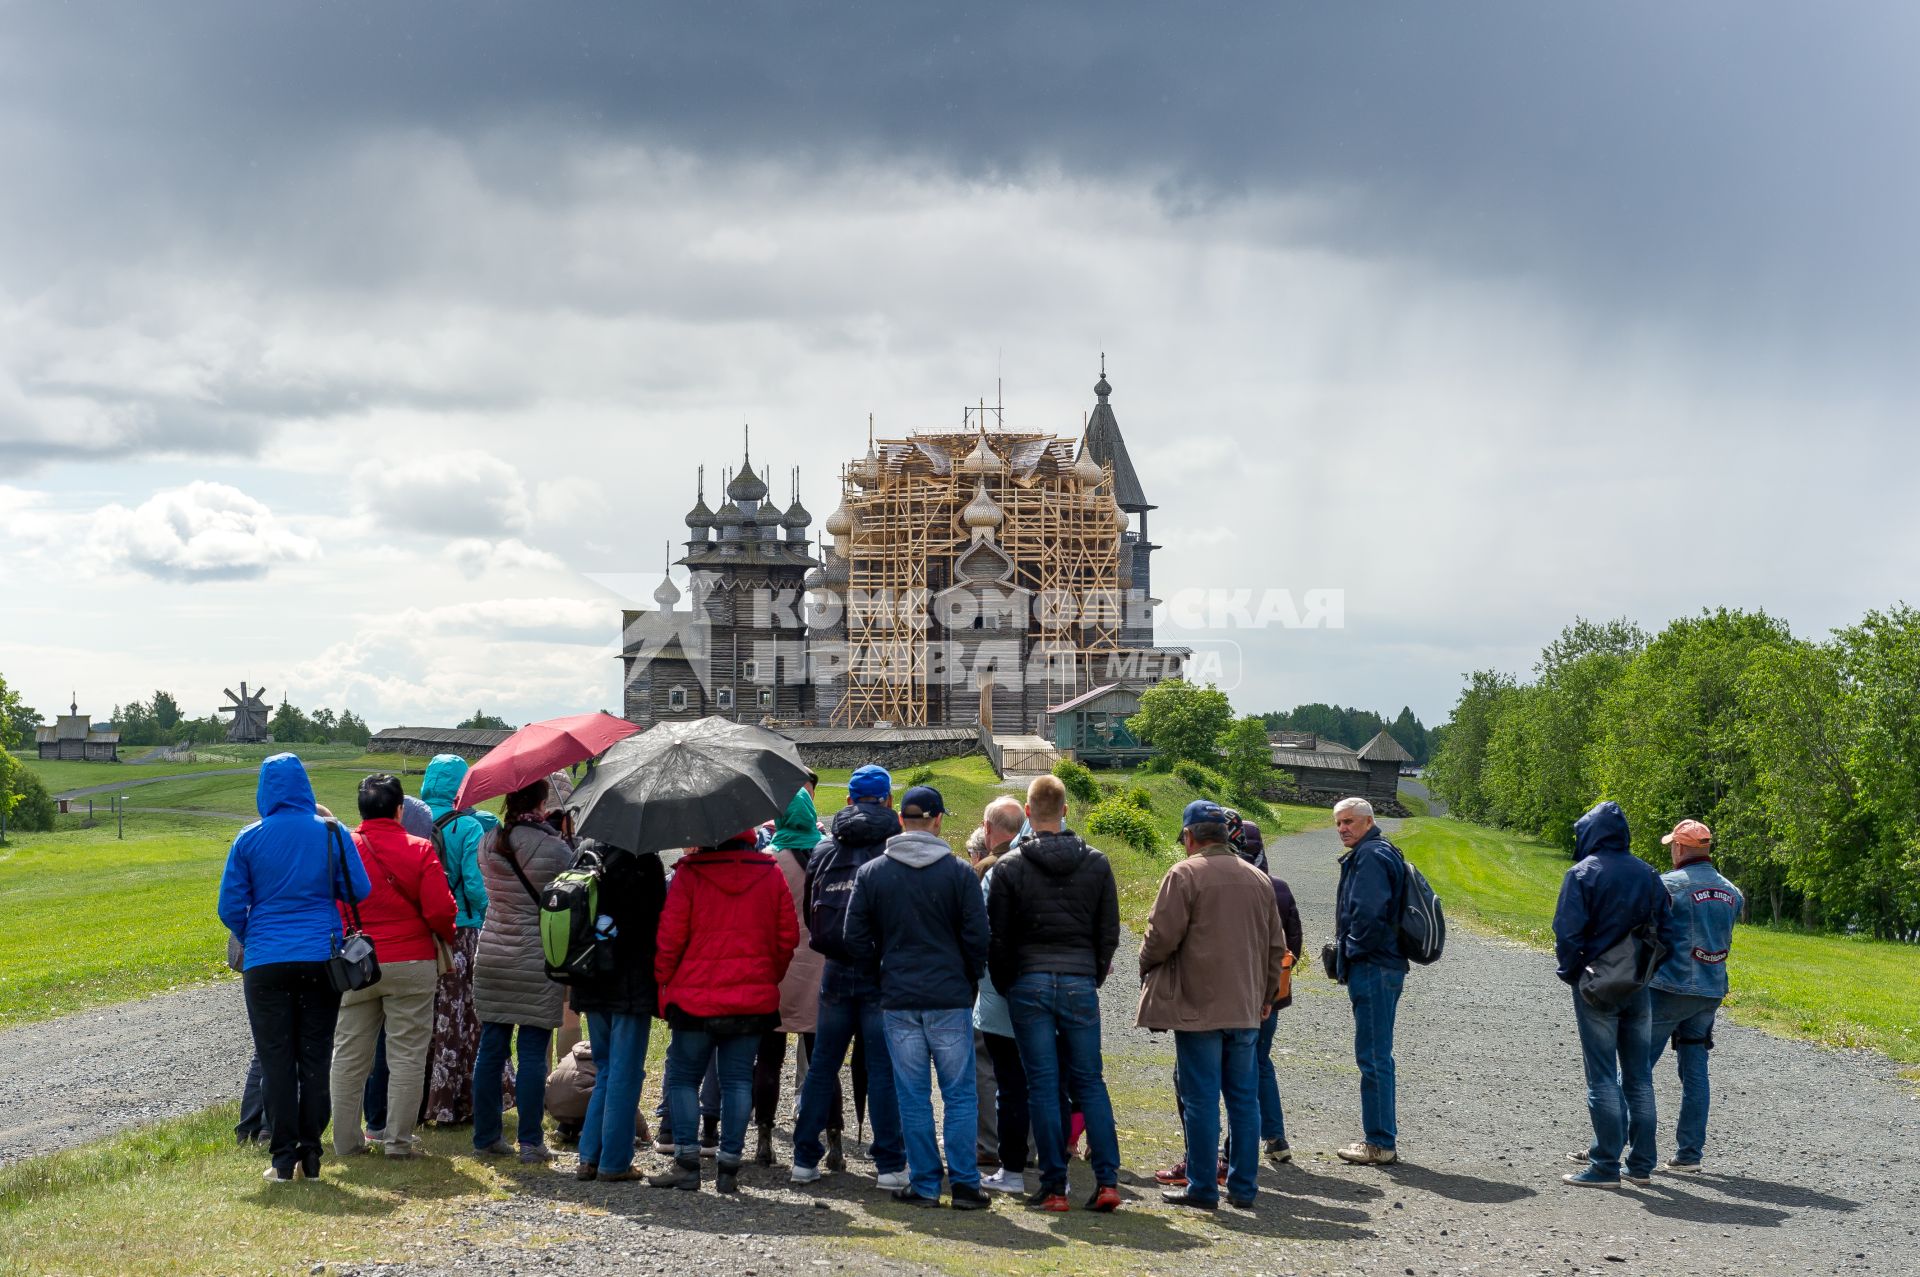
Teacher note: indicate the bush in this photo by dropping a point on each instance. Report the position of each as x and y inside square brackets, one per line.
[1081, 786]
[33, 814]
[1197, 777]
[1118, 818]
[1140, 798]
[919, 776]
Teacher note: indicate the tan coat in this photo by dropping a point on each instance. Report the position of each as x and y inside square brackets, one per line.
[800, 988]
[1214, 947]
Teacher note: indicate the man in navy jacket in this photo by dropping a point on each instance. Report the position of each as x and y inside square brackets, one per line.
[1607, 895]
[1367, 923]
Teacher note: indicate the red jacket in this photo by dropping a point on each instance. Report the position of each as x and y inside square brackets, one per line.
[726, 935]
[409, 900]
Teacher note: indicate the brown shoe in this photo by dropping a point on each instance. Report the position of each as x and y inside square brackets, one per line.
[1361, 1153]
[586, 1170]
[623, 1177]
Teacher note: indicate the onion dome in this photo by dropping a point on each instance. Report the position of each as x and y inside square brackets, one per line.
[730, 516]
[1100, 387]
[1119, 519]
[1088, 471]
[840, 522]
[796, 515]
[982, 460]
[866, 471]
[746, 485]
[815, 579]
[981, 512]
[700, 518]
[767, 517]
[666, 594]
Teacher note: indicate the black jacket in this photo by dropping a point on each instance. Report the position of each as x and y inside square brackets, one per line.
[1053, 908]
[917, 908]
[859, 833]
[1366, 911]
[632, 891]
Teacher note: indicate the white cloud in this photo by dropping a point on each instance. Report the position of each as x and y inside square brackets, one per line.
[477, 556]
[453, 494]
[202, 532]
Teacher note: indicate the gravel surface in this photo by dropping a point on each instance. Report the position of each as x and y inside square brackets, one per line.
[1811, 1154]
[83, 1077]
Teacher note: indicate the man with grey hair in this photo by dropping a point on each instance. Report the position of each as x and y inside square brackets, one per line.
[1368, 961]
[985, 845]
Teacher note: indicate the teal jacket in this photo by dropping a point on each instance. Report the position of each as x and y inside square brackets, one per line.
[463, 838]
[799, 827]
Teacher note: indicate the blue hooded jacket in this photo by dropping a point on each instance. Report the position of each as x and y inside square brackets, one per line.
[1366, 911]
[463, 837]
[276, 895]
[1608, 893]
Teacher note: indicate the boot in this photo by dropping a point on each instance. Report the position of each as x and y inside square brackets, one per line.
[727, 1178]
[642, 1134]
[709, 1136]
[836, 1155]
[763, 1153]
[683, 1173]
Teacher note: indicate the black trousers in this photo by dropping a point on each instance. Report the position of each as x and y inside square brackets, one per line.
[292, 1009]
[1010, 1081]
[770, 1063]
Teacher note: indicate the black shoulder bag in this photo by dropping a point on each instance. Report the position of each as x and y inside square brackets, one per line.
[352, 966]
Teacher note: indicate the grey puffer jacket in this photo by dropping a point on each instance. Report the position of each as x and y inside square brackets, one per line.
[510, 984]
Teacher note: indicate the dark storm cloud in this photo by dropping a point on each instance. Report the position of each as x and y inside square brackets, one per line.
[1738, 166]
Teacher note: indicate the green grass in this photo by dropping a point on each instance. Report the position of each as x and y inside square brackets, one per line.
[1840, 991]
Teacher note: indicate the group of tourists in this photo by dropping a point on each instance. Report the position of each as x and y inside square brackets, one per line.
[979, 974]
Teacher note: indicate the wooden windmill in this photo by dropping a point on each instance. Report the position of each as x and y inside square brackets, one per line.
[249, 710]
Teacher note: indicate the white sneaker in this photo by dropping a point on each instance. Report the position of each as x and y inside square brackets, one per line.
[891, 1180]
[804, 1174]
[1004, 1181]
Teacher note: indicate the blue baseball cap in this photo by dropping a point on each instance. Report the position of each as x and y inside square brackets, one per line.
[1203, 811]
[922, 801]
[870, 781]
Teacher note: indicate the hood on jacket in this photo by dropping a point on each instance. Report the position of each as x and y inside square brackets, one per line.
[283, 786]
[918, 848]
[733, 872]
[1056, 854]
[862, 825]
[441, 785]
[1602, 830]
[799, 827]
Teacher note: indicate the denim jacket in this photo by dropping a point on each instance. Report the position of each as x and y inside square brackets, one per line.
[1706, 906]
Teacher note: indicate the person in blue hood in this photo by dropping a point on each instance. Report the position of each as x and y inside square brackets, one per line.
[277, 897]
[1608, 894]
[458, 836]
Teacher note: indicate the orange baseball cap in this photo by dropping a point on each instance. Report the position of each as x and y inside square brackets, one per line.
[1689, 833]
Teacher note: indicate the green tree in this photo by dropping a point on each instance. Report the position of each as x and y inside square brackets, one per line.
[1801, 736]
[165, 711]
[480, 720]
[18, 722]
[353, 729]
[1182, 720]
[289, 724]
[1457, 772]
[1880, 659]
[1248, 758]
[13, 776]
[1412, 735]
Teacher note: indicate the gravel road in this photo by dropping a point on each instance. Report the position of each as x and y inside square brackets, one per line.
[1811, 1156]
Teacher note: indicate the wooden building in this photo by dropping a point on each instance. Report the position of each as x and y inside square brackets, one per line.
[1092, 727]
[1326, 768]
[71, 738]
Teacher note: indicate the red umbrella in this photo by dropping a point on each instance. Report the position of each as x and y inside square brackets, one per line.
[537, 750]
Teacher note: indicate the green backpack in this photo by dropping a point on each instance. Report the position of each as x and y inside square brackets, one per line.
[569, 914]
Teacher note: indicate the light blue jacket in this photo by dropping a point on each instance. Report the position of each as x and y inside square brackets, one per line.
[1706, 906]
[277, 894]
[991, 1014]
[463, 838]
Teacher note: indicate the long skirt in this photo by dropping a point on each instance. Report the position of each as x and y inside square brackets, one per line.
[456, 1037]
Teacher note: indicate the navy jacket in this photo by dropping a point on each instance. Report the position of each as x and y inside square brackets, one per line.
[1366, 911]
[918, 909]
[276, 895]
[858, 834]
[1606, 894]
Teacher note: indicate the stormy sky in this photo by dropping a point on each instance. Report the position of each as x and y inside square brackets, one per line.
[367, 351]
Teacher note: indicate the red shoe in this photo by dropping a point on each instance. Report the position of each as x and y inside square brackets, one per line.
[1105, 1199]
[1220, 1173]
[1174, 1176]
[1054, 1203]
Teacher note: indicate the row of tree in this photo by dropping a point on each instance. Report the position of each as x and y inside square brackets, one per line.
[159, 720]
[1803, 756]
[1354, 727]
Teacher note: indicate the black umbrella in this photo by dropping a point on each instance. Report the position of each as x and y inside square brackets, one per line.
[687, 785]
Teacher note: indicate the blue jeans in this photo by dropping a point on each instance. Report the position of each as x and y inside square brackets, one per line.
[1208, 1066]
[1056, 1015]
[942, 1040]
[1688, 1020]
[687, 1057]
[620, 1066]
[529, 1082]
[1273, 1123]
[1375, 993]
[1617, 1050]
[820, 1094]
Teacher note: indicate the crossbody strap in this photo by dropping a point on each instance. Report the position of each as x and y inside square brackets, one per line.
[342, 883]
[505, 849]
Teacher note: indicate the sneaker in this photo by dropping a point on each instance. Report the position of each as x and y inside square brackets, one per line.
[907, 1197]
[1184, 1197]
[1005, 1181]
[1279, 1152]
[1681, 1168]
[1105, 1199]
[1643, 1181]
[892, 1181]
[1051, 1200]
[586, 1171]
[1241, 1203]
[1174, 1176]
[534, 1154]
[622, 1177]
[401, 1153]
[1361, 1153]
[804, 1174]
[968, 1197]
[499, 1148]
[1580, 1159]
[273, 1176]
[309, 1167]
[1590, 1179]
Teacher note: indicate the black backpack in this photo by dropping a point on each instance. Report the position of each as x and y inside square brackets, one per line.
[569, 917]
[1423, 927]
[830, 874]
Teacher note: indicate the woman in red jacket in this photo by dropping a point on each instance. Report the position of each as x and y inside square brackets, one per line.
[726, 936]
[406, 909]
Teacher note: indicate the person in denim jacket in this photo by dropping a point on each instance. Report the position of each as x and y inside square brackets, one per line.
[1690, 984]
